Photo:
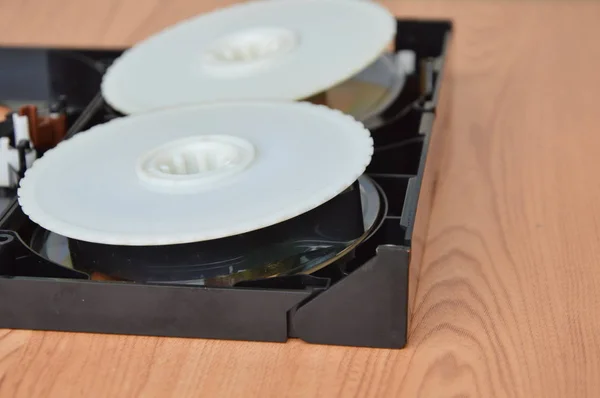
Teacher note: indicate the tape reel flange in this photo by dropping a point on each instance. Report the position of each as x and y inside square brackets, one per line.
[195, 173]
[262, 49]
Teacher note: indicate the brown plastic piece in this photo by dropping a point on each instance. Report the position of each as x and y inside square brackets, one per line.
[319, 99]
[97, 276]
[4, 111]
[45, 132]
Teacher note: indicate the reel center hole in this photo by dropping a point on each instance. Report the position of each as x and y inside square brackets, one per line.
[198, 160]
[253, 45]
[249, 51]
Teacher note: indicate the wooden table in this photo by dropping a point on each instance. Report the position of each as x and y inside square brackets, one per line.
[508, 299]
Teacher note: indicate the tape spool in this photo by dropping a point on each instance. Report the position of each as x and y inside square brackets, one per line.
[303, 246]
[260, 50]
[196, 173]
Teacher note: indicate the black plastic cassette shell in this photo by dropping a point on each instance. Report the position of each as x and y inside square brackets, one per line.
[367, 307]
[79, 78]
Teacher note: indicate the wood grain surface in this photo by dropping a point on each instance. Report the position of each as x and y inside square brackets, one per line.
[508, 298]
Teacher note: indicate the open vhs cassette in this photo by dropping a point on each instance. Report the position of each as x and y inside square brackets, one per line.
[339, 273]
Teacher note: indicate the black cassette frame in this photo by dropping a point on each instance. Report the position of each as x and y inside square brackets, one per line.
[368, 306]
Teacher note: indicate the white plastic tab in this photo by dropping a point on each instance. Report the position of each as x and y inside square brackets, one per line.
[9, 163]
[21, 128]
[406, 60]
